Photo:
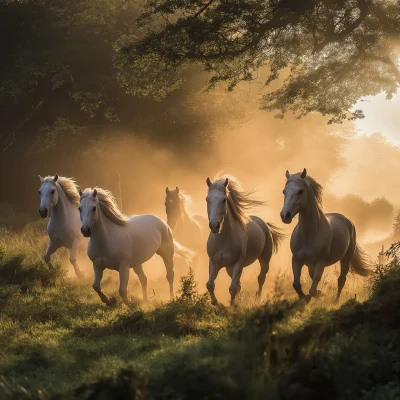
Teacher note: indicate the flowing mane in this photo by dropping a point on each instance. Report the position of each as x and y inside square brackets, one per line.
[108, 205]
[311, 183]
[239, 201]
[185, 201]
[68, 186]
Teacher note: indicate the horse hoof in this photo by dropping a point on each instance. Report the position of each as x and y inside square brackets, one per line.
[111, 301]
[214, 302]
[307, 298]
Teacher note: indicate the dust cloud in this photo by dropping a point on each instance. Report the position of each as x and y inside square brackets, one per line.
[354, 171]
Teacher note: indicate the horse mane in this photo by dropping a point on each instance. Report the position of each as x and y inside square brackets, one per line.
[316, 187]
[68, 185]
[108, 205]
[239, 201]
[185, 202]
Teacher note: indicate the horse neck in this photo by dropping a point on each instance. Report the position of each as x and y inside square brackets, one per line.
[101, 230]
[229, 222]
[62, 208]
[311, 217]
[184, 219]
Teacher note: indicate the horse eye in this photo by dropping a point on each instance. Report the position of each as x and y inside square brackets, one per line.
[52, 192]
[94, 208]
[224, 201]
[301, 191]
[283, 191]
[39, 192]
[79, 209]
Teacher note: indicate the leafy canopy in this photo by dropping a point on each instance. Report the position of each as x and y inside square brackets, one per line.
[320, 55]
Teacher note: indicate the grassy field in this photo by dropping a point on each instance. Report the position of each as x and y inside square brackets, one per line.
[57, 341]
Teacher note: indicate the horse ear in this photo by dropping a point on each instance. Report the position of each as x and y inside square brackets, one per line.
[94, 193]
[226, 182]
[166, 190]
[55, 178]
[304, 173]
[208, 182]
[287, 174]
[177, 189]
[41, 178]
[80, 192]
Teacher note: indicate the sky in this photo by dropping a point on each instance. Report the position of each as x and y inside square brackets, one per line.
[382, 116]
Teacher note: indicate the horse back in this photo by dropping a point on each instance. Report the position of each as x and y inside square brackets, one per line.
[261, 223]
[343, 236]
[339, 224]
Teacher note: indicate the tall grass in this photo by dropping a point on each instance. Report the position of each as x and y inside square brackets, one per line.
[57, 341]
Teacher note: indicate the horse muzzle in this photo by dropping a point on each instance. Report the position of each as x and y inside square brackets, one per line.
[43, 212]
[286, 217]
[86, 232]
[215, 227]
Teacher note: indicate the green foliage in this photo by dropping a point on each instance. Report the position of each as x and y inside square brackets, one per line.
[325, 54]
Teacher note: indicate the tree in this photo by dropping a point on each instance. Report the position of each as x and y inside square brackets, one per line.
[396, 226]
[321, 55]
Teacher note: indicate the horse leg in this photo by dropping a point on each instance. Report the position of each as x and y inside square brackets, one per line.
[169, 265]
[311, 272]
[124, 270]
[51, 249]
[296, 267]
[235, 284]
[212, 276]
[229, 270]
[98, 276]
[344, 269]
[318, 271]
[143, 280]
[72, 258]
[263, 274]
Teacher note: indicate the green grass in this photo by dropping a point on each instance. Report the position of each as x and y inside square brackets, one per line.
[57, 341]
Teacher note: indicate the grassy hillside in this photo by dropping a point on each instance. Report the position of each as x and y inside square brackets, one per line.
[57, 341]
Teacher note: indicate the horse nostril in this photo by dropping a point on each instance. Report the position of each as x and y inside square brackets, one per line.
[218, 225]
[209, 225]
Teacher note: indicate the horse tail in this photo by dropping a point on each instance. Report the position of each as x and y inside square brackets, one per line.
[277, 236]
[360, 263]
[183, 252]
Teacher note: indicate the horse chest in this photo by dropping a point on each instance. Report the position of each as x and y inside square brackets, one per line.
[224, 258]
[61, 235]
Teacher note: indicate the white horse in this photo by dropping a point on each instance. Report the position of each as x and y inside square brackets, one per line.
[236, 240]
[119, 242]
[59, 198]
[319, 239]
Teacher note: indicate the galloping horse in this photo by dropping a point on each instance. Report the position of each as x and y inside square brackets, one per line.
[319, 239]
[187, 228]
[235, 240]
[59, 198]
[119, 242]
